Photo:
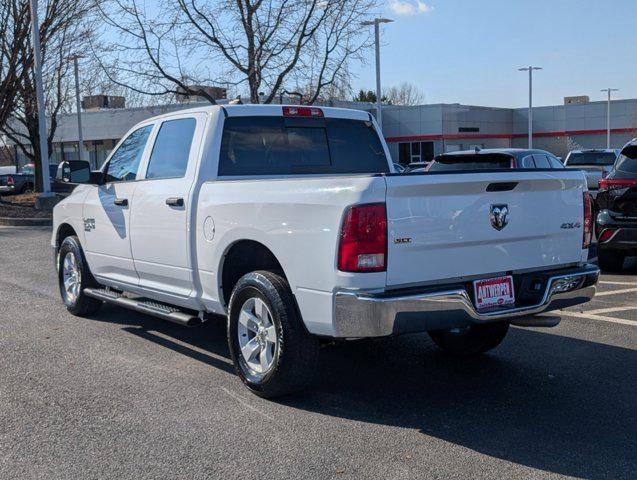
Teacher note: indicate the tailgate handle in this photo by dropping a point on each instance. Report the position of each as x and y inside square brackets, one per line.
[501, 186]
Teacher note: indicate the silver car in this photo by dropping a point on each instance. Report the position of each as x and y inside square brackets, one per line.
[595, 163]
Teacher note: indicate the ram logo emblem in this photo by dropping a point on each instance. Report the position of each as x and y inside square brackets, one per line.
[499, 215]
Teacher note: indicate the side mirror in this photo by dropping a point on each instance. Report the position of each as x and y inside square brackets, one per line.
[77, 171]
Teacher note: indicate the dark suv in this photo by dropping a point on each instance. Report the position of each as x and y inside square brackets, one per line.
[616, 222]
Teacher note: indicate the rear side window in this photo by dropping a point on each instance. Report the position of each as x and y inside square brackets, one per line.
[283, 146]
[627, 161]
[172, 149]
[555, 163]
[445, 163]
[527, 162]
[124, 162]
[541, 161]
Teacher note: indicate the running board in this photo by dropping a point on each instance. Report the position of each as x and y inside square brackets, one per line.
[142, 305]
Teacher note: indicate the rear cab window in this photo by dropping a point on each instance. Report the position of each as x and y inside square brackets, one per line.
[591, 158]
[446, 163]
[278, 145]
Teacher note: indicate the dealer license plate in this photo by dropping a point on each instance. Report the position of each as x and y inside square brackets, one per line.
[493, 292]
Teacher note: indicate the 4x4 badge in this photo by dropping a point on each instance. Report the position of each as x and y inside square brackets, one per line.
[89, 224]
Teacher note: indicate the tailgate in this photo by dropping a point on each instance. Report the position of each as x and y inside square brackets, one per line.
[440, 226]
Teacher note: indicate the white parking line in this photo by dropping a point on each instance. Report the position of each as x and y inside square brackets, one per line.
[601, 318]
[616, 292]
[608, 282]
[610, 310]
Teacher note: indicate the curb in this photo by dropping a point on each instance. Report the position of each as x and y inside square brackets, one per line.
[25, 222]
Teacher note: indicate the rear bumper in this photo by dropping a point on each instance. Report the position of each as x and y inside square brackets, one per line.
[7, 188]
[365, 314]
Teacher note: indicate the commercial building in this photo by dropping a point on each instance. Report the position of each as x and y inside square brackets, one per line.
[414, 133]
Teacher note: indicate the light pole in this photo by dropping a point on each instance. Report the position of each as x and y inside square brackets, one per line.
[78, 106]
[609, 91]
[39, 93]
[530, 70]
[376, 22]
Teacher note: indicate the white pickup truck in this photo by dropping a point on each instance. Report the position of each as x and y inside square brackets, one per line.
[291, 222]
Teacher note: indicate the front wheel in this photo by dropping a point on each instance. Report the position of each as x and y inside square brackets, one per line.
[472, 339]
[73, 277]
[272, 352]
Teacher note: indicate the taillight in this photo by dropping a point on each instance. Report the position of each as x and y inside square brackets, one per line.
[363, 242]
[606, 235]
[588, 221]
[10, 180]
[302, 112]
[610, 183]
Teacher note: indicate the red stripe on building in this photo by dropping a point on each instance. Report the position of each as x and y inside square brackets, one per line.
[507, 135]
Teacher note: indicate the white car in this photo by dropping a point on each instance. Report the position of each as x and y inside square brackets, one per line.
[291, 222]
[595, 163]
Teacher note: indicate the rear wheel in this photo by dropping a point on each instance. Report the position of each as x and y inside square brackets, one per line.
[73, 277]
[610, 260]
[272, 352]
[27, 188]
[472, 339]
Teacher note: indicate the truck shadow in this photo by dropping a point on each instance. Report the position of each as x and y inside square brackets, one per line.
[554, 403]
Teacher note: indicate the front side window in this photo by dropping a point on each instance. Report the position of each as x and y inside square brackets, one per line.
[123, 165]
[169, 158]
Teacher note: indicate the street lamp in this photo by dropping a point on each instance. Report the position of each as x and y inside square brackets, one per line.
[78, 105]
[530, 70]
[39, 93]
[609, 91]
[376, 22]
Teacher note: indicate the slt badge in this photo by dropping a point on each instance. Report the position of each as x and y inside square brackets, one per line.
[499, 216]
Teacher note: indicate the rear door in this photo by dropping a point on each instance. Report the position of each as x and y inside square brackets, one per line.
[440, 225]
[160, 239]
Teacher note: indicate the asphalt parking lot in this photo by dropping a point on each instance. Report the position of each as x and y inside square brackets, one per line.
[122, 395]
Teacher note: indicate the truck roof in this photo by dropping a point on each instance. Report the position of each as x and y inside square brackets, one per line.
[267, 110]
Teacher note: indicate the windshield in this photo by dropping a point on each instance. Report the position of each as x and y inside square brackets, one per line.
[470, 162]
[627, 161]
[591, 158]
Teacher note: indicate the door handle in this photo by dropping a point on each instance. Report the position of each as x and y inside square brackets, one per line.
[122, 202]
[175, 201]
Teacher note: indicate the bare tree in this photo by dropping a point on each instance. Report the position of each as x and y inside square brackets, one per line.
[15, 31]
[65, 29]
[261, 45]
[404, 94]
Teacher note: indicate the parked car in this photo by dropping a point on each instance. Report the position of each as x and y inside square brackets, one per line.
[616, 222]
[24, 181]
[287, 220]
[595, 164]
[494, 159]
[417, 166]
[399, 168]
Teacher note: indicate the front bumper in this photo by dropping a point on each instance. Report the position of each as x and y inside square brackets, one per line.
[365, 314]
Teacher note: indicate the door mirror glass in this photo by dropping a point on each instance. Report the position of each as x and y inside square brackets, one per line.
[74, 171]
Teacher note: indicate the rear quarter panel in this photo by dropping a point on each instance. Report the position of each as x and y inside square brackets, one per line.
[298, 219]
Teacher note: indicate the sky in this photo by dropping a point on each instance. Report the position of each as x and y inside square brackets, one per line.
[469, 51]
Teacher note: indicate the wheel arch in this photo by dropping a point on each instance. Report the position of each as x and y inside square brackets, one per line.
[241, 257]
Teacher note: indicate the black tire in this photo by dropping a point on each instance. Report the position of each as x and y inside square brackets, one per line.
[78, 304]
[610, 260]
[295, 357]
[27, 188]
[471, 340]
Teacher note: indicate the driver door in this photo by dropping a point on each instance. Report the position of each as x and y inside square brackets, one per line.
[106, 212]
